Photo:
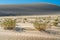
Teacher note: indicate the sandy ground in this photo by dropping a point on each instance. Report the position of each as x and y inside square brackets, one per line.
[49, 34]
[32, 35]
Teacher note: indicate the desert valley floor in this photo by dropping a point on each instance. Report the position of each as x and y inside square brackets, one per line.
[29, 33]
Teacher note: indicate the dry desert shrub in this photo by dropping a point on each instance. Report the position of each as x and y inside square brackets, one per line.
[55, 23]
[40, 26]
[8, 23]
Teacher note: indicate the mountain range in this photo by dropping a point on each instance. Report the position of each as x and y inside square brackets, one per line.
[29, 9]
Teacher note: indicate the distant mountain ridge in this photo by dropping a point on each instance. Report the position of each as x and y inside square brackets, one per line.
[31, 9]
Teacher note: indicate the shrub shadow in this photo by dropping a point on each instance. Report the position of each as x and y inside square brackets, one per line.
[51, 32]
[18, 29]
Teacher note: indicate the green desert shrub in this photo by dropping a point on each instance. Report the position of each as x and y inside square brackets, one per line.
[8, 23]
[40, 26]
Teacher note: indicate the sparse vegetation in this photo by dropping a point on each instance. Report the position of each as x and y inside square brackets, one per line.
[55, 23]
[40, 26]
[8, 23]
[24, 20]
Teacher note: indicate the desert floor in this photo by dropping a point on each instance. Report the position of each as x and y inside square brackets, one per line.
[49, 34]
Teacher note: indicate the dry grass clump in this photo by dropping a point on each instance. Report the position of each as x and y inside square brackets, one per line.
[8, 23]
